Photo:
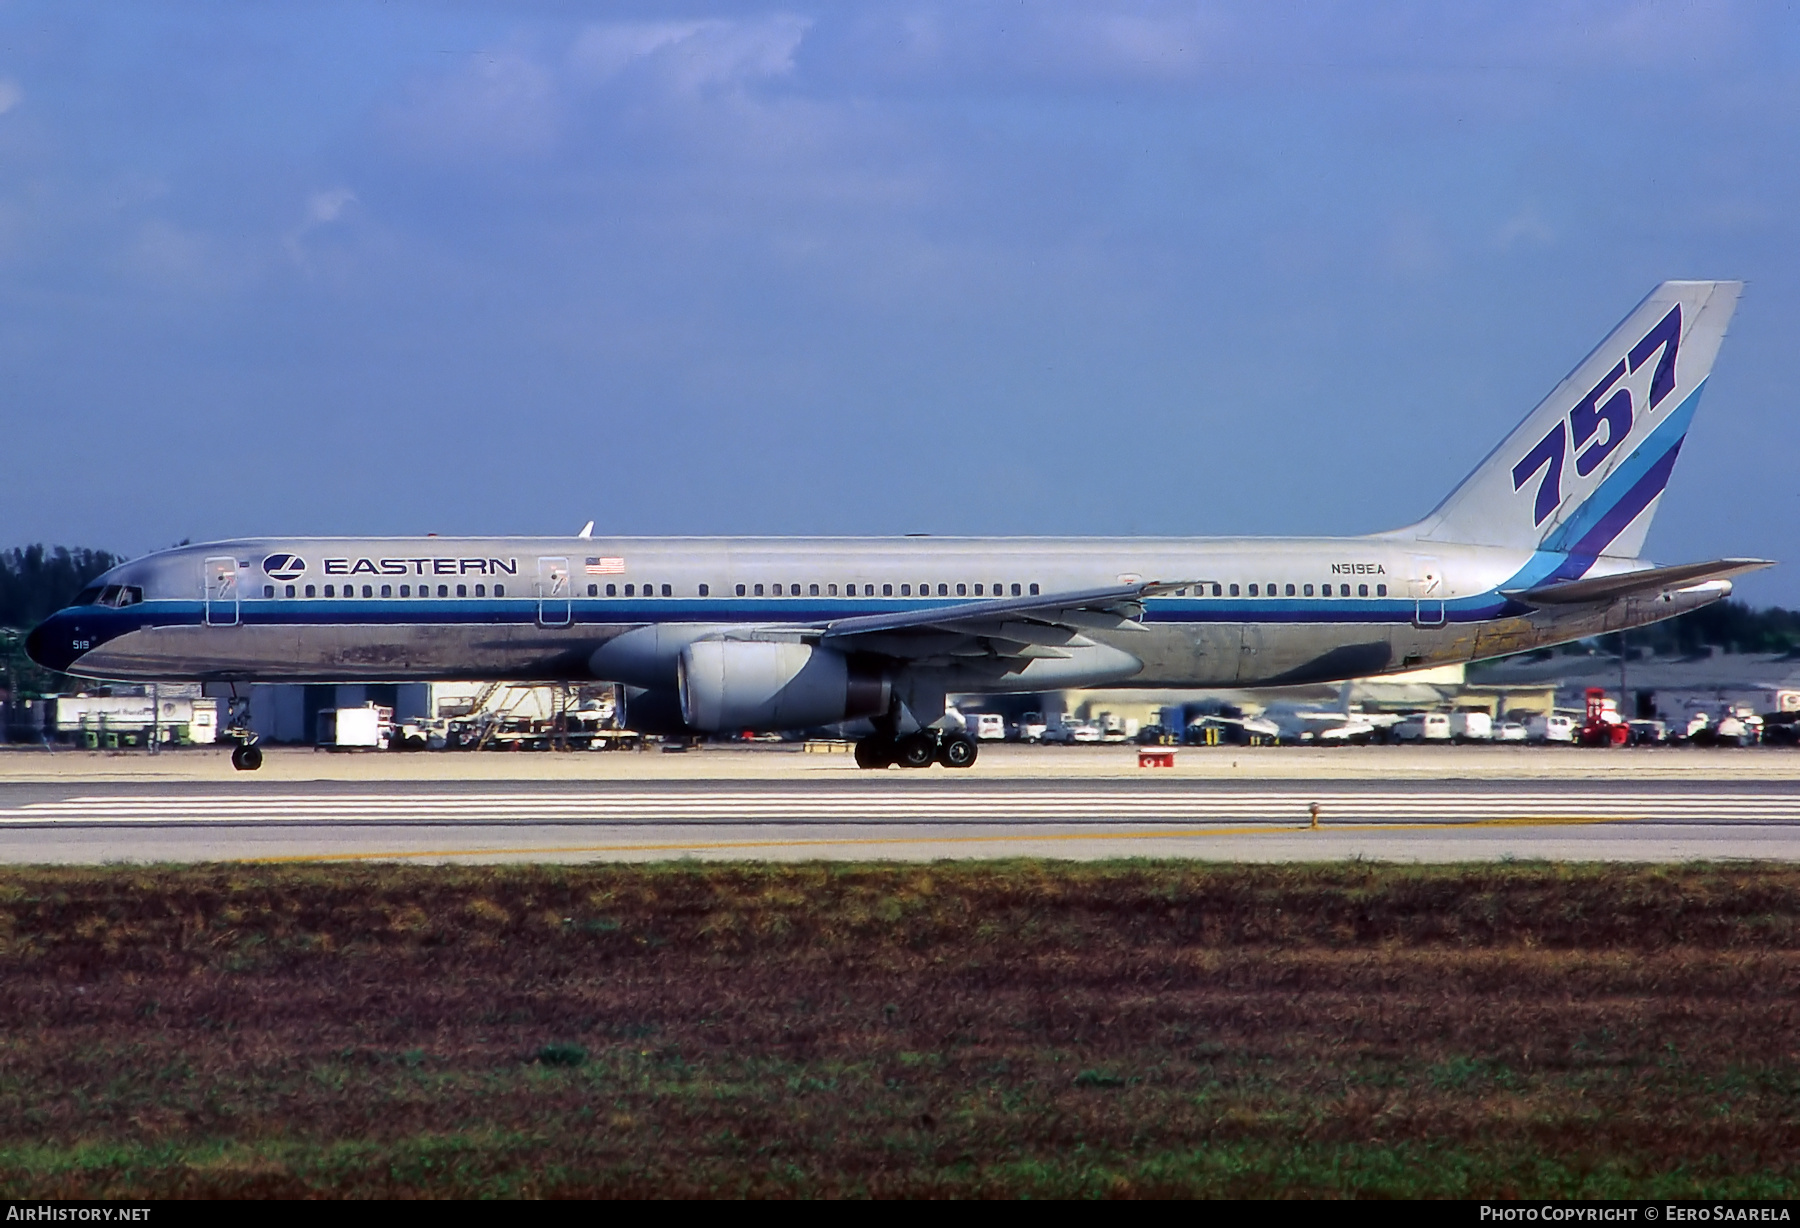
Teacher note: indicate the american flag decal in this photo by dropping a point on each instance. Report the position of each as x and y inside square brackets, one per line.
[605, 567]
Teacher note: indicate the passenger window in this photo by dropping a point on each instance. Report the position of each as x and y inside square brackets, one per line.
[406, 590]
[831, 589]
[1271, 590]
[1290, 590]
[312, 591]
[813, 589]
[705, 590]
[944, 590]
[499, 590]
[462, 590]
[1034, 590]
[1381, 590]
[1253, 590]
[759, 590]
[480, 590]
[387, 590]
[290, 593]
[443, 590]
[668, 590]
[1234, 590]
[1216, 591]
[1343, 590]
[887, 590]
[593, 590]
[631, 590]
[962, 590]
[368, 591]
[1362, 590]
[906, 590]
[1309, 590]
[268, 591]
[740, 590]
[978, 590]
[1015, 590]
[331, 590]
[868, 590]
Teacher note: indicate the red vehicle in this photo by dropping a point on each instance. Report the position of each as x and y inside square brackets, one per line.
[1603, 726]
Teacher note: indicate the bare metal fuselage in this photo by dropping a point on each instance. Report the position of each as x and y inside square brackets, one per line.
[1253, 612]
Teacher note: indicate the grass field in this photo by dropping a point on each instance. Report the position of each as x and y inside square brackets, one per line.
[1010, 1028]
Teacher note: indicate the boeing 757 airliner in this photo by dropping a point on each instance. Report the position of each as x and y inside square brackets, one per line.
[1538, 546]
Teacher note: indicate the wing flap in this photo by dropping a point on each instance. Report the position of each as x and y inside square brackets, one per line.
[1633, 583]
[1093, 607]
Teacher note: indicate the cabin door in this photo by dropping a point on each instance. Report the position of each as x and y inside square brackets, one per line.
[221, 592]
[1427, 592]
[553, 592]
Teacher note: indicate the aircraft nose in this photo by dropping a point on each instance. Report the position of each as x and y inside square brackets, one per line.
[34, 644]
[38, 646]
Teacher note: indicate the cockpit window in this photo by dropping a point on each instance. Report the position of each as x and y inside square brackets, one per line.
[117, 596]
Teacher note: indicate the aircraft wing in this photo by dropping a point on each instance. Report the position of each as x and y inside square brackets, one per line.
[1635, 583]
[1021, 627]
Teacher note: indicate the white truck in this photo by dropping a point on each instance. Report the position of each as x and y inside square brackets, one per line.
[985, 726]
[369, 727]
[110, 721]
[1423, 727]
[1471, 726]
[1552, 727]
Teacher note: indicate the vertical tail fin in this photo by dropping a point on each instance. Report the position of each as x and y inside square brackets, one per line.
[1583, 473]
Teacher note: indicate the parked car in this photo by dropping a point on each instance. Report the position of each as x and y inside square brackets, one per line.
[1509, 731]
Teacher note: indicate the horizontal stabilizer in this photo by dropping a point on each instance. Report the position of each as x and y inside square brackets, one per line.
[1634, 583]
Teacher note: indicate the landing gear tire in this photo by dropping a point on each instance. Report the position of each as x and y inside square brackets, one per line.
[958, 751]
[875, 752]
[915, 750]
[246, 758]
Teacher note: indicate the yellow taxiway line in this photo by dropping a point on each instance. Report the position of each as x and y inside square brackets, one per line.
[873, 841]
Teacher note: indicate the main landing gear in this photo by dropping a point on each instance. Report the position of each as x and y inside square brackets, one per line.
[917, 750]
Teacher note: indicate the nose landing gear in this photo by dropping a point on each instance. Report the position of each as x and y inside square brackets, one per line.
[246, 756]
[917, 750]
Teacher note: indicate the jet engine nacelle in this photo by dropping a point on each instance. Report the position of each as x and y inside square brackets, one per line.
[752, 684]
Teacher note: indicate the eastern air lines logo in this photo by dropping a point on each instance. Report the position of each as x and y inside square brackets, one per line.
[284, 567]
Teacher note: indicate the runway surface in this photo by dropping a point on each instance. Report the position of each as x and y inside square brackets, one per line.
[897, 816]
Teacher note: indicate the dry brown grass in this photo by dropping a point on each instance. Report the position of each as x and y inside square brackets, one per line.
[1000, 1028]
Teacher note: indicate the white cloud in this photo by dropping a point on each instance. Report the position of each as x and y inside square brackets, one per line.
[1526, 226]
[500, 101]
[692, 55]
[322, 209]
[11, 94]
[328, 206]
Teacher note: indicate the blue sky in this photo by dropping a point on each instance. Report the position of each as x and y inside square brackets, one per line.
[884, 267]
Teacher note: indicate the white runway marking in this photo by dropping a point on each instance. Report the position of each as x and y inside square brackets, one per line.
[860, 804]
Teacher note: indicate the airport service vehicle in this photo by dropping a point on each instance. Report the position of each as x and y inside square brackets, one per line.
[1603, 726]
[1539, 545]
[1553, 727]
[1423, 727]
[985, 726]
[368, 727]
[1032, 727]
[1471, 727]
